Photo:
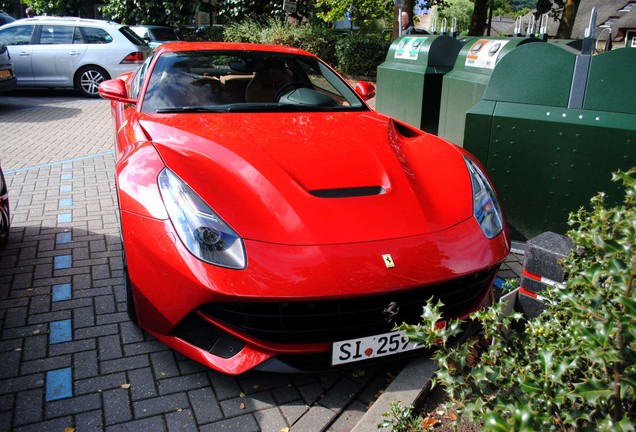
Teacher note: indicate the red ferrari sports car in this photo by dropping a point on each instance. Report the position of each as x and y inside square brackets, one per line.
[270, 219]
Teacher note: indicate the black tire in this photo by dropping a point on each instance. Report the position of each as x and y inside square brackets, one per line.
[87, 80]
[130, 300]
[5, 219]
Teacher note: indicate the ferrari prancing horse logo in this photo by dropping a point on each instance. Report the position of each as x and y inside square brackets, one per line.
[388, 260]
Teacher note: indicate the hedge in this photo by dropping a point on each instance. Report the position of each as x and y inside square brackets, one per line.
[350, 52]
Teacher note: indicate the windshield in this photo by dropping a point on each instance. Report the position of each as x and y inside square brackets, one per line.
[245, 81]
[132, 36]
[162, 34]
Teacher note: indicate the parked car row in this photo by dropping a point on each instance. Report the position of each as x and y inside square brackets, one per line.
[76, 52]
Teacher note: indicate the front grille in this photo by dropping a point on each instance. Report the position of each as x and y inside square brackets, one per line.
[328, 321]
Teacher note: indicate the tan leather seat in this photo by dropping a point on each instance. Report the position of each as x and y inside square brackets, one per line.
[265, 84]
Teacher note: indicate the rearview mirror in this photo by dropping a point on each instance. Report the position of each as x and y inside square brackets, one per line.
[115, 90]
[365, 90]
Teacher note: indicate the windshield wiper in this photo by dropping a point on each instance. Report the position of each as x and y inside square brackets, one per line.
[236, 107]
[243, 108]
[262, 107]
[193, 109]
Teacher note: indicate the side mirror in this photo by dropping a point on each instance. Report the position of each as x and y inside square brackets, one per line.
[365, 90]
[115, 90]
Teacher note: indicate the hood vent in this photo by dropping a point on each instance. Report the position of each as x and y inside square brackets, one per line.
[348, 192]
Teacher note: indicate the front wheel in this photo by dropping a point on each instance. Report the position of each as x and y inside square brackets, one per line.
[130, 300]
[88, 78]
[5, 219]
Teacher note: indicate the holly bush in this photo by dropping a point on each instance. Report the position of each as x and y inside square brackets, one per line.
[573, 366]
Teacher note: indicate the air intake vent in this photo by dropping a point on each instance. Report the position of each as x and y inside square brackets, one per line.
[348, 192]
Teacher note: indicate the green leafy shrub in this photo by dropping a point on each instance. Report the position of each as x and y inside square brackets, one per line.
[354, 54]
[279, 33]
[402, 419]
[573, 366]
[360, 54]
[245, 31]
[321, 42]
[209, 33]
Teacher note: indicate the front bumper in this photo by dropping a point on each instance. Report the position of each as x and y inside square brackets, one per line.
[293, 300]
[7, 84]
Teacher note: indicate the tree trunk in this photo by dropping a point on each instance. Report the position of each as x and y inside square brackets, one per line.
[480, 16]
[409, 5]
[567, 22]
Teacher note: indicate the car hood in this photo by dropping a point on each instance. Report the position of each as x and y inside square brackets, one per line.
[316, 178]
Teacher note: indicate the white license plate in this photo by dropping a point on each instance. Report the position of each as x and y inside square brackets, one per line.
[369, 347]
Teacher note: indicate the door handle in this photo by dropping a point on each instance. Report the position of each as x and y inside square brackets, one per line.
[24, 53]
[74, 53]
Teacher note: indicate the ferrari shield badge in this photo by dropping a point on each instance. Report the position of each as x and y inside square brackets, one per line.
[388, 260]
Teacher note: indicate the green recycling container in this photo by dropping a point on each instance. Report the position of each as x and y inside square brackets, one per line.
[464, 86]
[551, 128]
[409, 82]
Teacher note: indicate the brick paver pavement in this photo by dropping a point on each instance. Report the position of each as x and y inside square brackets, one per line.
[69, 355]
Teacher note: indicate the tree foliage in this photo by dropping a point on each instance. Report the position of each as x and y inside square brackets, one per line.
[57, 7]
[175, 12]
[361, 12]
[236, 11]
[460, 9]
[574, 366]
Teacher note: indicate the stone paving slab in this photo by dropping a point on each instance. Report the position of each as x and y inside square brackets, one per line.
[70, 356]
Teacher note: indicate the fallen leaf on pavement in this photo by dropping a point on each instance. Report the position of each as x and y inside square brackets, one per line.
[430, 422]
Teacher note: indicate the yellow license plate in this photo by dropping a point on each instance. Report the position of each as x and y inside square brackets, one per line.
[6, 73]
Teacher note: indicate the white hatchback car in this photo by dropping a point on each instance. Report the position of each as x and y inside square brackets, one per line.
[71, 52]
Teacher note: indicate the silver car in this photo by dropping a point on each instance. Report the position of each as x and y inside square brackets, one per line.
[71, 52]
[7, 78]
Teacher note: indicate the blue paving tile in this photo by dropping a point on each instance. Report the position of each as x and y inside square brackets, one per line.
[63, 238]
[498, 282]
[63, 262]
[60, 332]
[65, 218]
[68, 176]
[59, 384]
[65, 202]
[61, 292]
[66, 188]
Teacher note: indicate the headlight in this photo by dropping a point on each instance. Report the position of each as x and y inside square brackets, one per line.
[202, 231]
[485, 205]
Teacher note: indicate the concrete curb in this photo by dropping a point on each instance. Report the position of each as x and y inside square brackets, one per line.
[410, 384]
